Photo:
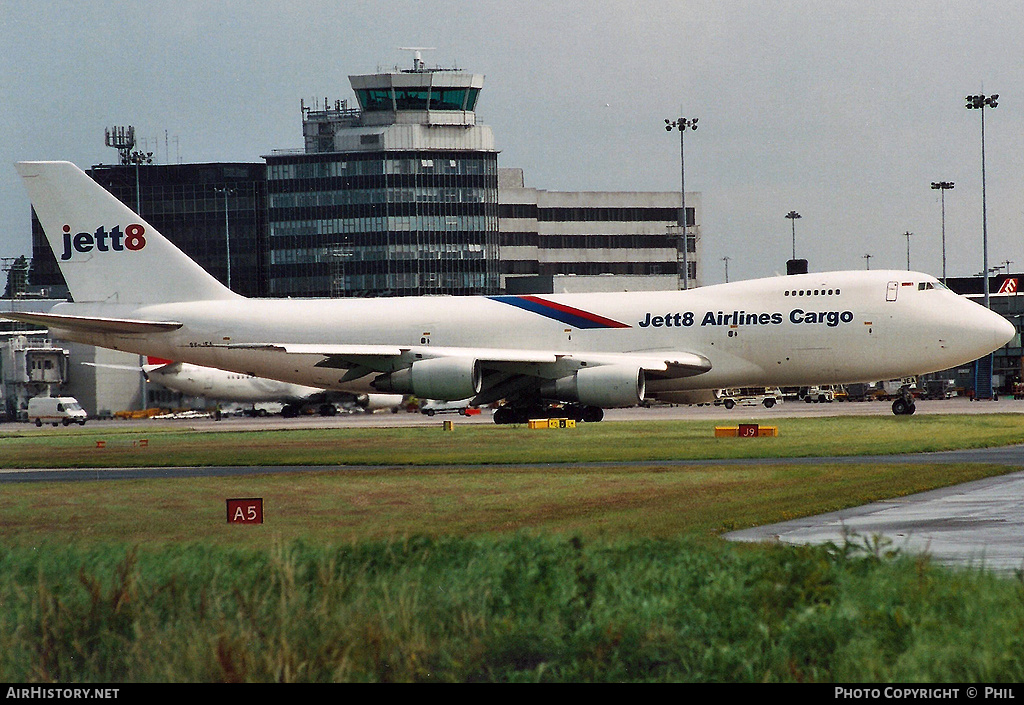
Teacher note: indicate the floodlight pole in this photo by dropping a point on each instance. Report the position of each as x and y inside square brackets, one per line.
[942, 187]
[682, 124]
[980, 102]
[227, 232]
[793, 215]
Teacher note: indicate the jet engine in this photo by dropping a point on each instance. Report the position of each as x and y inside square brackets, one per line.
[607, 386]
[445, 378]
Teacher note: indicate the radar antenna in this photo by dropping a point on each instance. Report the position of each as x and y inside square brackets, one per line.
[417, 57]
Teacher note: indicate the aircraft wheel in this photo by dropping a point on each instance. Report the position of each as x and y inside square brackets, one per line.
[593, 414]
[900, 407]
[504, 415]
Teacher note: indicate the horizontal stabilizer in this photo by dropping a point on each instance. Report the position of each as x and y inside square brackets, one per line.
[91, 324]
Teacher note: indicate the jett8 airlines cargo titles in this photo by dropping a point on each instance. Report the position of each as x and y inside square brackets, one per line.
[743, 318]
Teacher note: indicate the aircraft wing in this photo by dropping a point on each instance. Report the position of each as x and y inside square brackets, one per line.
[382, 358]
[92, 324]
[361, 360]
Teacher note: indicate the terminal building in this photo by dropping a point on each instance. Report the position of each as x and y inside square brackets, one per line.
[632, 237]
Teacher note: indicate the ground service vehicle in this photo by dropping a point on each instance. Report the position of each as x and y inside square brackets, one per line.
[748, 396]
[56, 411]
[437, 406]
[820, 395]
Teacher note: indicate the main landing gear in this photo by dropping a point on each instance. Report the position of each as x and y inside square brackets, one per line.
[904, 404]
[507, 413]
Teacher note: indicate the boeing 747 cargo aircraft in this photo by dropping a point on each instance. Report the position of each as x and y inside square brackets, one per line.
[135, 291]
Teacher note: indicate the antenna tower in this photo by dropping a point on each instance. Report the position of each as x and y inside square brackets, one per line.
[123, 140]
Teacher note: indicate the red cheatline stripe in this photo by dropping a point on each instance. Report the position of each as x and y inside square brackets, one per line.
[576, 312]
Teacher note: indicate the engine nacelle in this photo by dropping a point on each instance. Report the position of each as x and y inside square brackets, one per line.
[444, 378]
[374, 402]
[607, 386]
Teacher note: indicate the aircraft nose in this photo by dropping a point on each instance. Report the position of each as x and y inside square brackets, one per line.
[991, 330]
[975, 331]
[1003, 331]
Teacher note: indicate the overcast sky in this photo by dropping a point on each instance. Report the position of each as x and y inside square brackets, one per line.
[843, 111]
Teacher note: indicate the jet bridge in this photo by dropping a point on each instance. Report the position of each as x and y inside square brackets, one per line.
[30, 365]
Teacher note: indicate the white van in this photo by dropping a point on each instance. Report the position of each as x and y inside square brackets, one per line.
[55, 410]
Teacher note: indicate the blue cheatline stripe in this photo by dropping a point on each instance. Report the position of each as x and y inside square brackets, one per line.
[577, 318]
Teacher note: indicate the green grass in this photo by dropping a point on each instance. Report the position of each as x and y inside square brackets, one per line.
[519, 609]
[447, 556]
[351, 505]
[486, 444]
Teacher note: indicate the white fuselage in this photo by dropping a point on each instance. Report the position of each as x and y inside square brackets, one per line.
[824, 328]
[223, 385]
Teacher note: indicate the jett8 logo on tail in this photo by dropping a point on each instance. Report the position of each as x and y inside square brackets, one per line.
[133, 238]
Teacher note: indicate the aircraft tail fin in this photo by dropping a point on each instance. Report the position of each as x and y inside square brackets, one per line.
[106, 252]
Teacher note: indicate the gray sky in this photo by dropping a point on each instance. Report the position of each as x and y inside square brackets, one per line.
[842, 111]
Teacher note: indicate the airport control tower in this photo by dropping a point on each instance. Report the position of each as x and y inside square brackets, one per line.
[396, 197]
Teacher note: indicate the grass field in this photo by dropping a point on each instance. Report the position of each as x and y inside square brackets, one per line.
[477, 479]
[485, 444]
[420, 554]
